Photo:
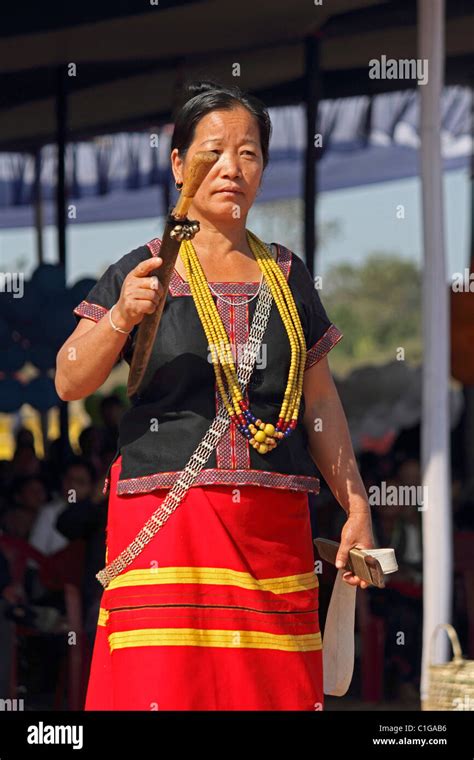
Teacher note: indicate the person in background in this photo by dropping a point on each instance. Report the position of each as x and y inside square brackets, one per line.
[24, 438]
[9, 594]
[59, 455]
[30, 493]
[112, 409]
[17, 522]
[5, 470]
[87, 520]
[90, 445]
[25, 463]
[400, 603]
[27, 497]
[76, 487]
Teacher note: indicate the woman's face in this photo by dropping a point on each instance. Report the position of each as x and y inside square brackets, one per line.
[230, 187]
[32, 495]
[77, 482]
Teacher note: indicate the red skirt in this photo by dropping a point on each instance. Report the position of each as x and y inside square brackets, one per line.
[218, 612]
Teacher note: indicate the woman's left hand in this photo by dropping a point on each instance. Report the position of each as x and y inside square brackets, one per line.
[357, 532]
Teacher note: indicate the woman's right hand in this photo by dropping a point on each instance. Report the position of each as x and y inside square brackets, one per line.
[140, 294]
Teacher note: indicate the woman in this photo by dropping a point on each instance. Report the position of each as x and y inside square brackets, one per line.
[220, 609]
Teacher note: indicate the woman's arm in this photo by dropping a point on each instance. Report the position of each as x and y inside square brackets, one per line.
[85, 360]
[330, 447]
[330, 444]
[87, 357]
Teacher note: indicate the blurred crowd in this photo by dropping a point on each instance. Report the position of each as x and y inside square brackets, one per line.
[53, 516]
[389, 621]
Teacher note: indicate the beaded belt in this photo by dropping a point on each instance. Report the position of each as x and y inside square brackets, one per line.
[202, 453]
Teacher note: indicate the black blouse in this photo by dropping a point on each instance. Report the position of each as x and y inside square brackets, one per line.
[165, 424]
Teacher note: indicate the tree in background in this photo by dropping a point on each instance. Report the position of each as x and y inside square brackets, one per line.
[377, 305]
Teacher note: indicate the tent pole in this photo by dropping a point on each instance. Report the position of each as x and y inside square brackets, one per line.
[435, 441]
[38, 207]
[469, 389]
[38, 211]
[61, 128]
[312, 94]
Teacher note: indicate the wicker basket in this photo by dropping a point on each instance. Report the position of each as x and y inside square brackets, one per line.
[451, 684]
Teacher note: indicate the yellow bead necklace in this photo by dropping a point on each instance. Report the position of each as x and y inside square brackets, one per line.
[262, 436]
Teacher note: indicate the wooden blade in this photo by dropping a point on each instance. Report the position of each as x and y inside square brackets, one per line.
[149, 325]
[146, 334]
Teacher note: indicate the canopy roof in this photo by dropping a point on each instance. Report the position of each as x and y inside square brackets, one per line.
[124, 67]
[121, 176]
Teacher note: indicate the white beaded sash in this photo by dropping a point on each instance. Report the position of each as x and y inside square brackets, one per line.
[203, 451]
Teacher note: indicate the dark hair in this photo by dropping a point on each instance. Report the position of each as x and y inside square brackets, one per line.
[24, 438]
[85, 433]
[20, 481]
[109, 401]
[208, 95]
[80, 462]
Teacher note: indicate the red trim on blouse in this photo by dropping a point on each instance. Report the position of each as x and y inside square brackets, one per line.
[215, 477]
[332, 336]
[95, 312]
[180, 287]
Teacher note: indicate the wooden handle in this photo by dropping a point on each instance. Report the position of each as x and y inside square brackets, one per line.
[199, 167]
[200, 164]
